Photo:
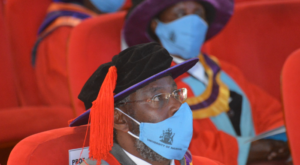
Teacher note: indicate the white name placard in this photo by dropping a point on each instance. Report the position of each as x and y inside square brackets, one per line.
[74, 155]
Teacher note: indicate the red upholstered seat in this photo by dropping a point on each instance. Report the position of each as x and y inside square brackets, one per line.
[290, 93]
[93, 42]
[20, 122]
[48, 148]
[238, 1]
[23, 20]
[258, 39]
[89, 39]
[8, 89]
[51, 147]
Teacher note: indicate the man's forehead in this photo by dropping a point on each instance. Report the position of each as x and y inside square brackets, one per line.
[164, 82]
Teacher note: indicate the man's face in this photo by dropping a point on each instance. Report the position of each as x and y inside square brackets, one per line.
[147, 112]
[175, 12]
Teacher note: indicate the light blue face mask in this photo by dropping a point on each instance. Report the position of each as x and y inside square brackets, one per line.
[108, 6]
[183, 37]
[169, 138]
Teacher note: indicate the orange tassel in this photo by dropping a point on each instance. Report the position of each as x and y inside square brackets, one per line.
[102, 118]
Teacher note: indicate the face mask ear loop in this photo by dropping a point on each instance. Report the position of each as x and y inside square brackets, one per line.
[133, 135]
[131, 119]
[127, 116]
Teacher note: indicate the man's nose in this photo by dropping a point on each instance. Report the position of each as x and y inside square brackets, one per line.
[174, 105]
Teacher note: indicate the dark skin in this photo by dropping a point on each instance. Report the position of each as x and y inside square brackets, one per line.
[268, 150]
[177, 11]
[144, 112]
[261, 150]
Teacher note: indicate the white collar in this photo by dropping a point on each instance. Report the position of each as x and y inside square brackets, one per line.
[197, 70]
[139, 161]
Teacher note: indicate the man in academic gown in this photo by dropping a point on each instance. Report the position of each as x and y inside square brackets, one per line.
[49, 55]
[227, 109]
[136, 112]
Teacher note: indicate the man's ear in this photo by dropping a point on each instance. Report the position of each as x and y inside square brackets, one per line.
[119, 122]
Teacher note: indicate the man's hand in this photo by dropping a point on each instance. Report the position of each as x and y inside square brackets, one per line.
[268, 150]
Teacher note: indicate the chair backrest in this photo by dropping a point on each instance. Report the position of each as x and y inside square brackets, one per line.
[246, 1]
[8, 88]
[48, 148]
[290, 93]
[20, 122]
[23, 20]
[258, 39]
[92, 43]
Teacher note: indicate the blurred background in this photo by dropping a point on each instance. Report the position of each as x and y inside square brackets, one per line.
[262, 39]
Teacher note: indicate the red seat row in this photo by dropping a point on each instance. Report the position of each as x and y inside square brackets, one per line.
[21, 111]
[23, 20]
[39, 148]
[257, 50]
[21, 114]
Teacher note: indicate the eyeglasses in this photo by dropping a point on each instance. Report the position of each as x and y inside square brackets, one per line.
[162, 99]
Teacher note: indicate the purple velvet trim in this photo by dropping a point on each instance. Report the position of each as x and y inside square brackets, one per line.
[52, 16]
[136, 25]
[215, 88]
[82, 119]
[175, 71]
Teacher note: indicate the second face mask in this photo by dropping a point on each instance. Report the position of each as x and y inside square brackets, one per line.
[183, 37]
[108, 6]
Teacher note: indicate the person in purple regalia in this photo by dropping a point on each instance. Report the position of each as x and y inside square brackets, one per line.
[227, 109]
[132, 101]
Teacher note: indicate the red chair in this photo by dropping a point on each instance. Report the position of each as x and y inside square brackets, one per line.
[93, 42]
[246, 1]
[48, 148]
[258, 39]
[8, 90]
[290, 93]
[23, 20]
[20, 122]
[51, 147]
